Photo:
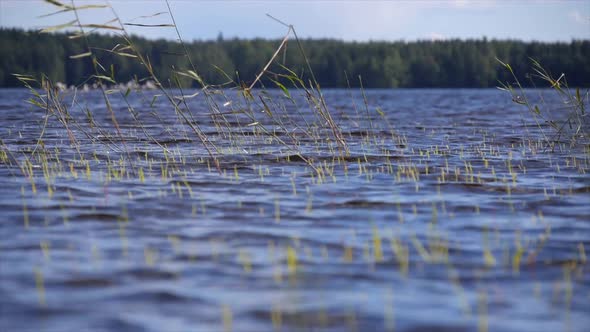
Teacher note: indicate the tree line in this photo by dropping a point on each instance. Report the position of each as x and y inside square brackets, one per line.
[419, 64]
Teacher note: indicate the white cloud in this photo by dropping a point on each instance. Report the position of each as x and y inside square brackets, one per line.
[577, 17]
[434, 36]
[472, 4]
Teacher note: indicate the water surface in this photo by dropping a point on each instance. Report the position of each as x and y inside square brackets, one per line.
[449, 213]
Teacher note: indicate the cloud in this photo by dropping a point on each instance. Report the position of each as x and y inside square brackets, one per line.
[471, 4]
[434, 36]
[577, 17]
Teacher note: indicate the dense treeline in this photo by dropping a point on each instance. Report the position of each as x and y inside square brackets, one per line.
[449, 63]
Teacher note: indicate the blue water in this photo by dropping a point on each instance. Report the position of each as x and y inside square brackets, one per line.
[449, 212]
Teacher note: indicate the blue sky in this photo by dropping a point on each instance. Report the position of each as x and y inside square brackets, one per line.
[348, 20]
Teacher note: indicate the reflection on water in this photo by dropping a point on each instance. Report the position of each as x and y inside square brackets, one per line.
[448, 214]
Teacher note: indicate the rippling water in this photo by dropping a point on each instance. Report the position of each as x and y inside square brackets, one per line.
[448, 214]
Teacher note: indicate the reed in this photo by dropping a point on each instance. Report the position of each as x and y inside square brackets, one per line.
[569, 122]
[244, 111]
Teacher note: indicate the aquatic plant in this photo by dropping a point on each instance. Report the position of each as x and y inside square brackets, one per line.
[256, 111]
[570, 122]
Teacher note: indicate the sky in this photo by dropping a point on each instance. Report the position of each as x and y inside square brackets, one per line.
[348, 20]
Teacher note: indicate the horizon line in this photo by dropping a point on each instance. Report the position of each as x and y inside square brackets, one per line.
[221, 37]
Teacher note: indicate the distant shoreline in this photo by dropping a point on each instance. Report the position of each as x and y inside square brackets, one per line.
[337, 64]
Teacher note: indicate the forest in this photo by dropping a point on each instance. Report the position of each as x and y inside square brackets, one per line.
[374, 64]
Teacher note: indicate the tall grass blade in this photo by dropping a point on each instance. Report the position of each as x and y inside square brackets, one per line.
[81, 55]
[58, 27]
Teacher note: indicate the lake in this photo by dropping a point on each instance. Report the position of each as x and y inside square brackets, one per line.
[412, 210]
